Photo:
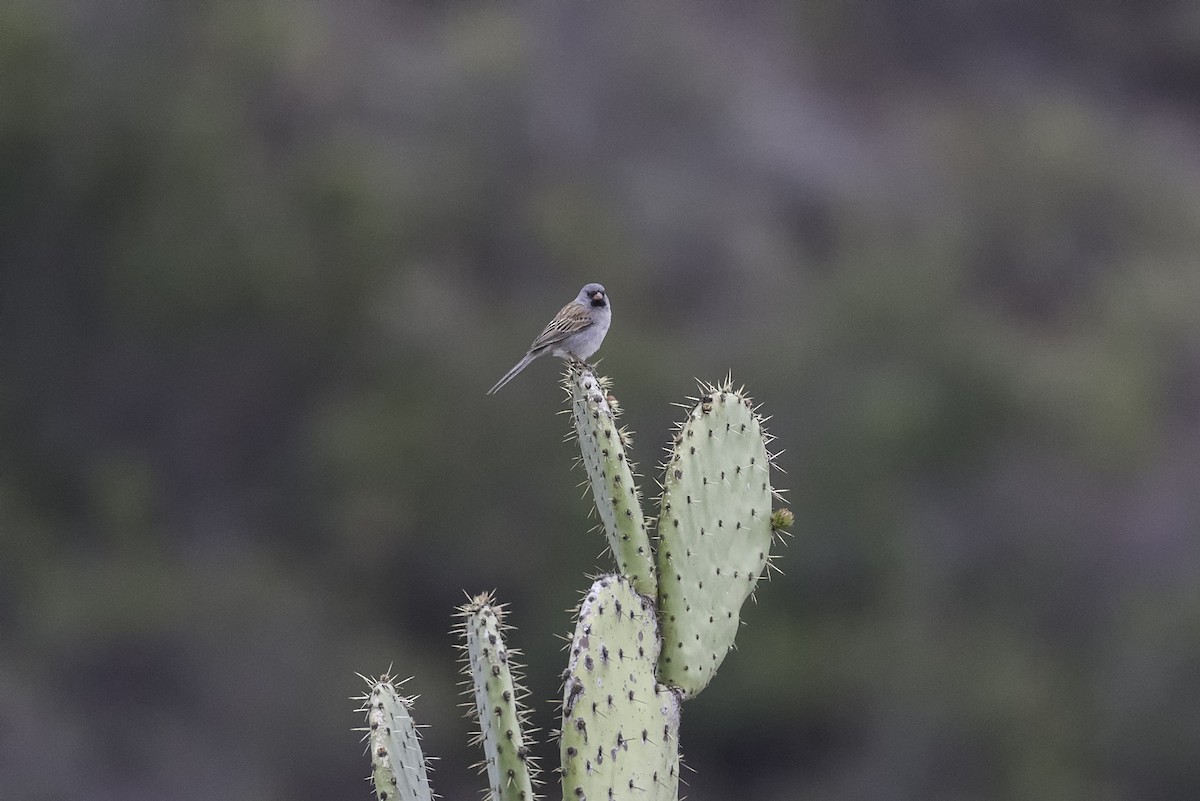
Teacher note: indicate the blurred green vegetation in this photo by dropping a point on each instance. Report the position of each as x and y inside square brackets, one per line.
[259, 262]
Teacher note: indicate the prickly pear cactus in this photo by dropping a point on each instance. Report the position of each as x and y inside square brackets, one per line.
[602, 445]
[495, 686]
[620, 729]
[714, 534]
[398, 768]
[645, 639]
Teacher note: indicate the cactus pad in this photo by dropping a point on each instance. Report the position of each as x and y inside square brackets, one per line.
[619, 729]
[714, 534]
[602, 445]
[497, 696]
[398, 768]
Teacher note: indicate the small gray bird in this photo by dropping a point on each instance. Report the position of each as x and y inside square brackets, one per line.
[575, 332]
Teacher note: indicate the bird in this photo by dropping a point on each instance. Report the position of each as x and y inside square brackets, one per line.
[575, 332]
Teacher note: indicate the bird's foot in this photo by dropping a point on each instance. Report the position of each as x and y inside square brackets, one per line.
[581, 364]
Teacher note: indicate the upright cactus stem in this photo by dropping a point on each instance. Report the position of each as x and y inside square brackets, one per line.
[398, 768]
[620, 729]
[602, 446]
[714, 533]
[494, 685]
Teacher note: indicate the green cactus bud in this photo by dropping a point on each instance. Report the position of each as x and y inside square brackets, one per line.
[602, 445]
[398, 768]
[495, 685]
[782, 520]
[714, 532]
[620, 728]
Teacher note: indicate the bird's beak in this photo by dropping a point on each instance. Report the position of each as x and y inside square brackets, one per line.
[597, 296]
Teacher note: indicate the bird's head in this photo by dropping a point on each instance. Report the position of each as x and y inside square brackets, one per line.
[593, 295]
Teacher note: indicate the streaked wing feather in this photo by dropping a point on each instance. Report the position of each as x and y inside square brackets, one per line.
[572, 319]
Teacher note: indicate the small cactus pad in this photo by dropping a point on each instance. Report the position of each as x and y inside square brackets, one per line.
[398, 768]
[620, 730]
[714, 534]
[602, 445]
[497, 695]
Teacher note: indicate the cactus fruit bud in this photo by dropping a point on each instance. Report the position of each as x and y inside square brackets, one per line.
[782, 519]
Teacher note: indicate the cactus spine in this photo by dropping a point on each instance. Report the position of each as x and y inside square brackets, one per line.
[398, 768]
[497, 700]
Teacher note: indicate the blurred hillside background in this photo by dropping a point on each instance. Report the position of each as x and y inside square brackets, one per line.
[260, 261]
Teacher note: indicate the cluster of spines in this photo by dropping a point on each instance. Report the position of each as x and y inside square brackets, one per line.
[399, 769]
[493, 683]
[611, 474]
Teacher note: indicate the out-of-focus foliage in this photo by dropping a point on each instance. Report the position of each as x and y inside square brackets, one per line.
[259, 262]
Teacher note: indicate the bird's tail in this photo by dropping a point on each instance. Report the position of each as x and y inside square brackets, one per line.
[511, 374]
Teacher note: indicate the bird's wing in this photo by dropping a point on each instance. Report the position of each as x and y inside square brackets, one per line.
[571, 319]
